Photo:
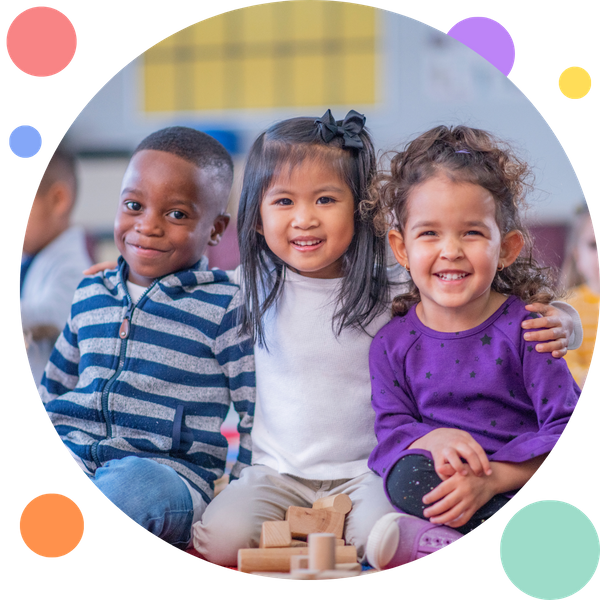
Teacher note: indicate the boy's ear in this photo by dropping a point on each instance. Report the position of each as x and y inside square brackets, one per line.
[61, 198]
[398, 247]
[510, 248]
[218, 229]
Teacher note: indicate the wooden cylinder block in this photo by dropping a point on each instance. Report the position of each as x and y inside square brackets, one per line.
[339, 502]
[321, 551]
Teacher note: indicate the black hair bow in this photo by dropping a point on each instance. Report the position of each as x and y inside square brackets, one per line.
[349, 128]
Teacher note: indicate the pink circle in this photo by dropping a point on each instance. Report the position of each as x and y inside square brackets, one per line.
[41, 41]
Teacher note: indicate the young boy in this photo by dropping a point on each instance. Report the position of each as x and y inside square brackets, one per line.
[54, 255]
[143, 374]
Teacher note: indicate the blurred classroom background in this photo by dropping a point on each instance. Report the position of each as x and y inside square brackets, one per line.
[234, 75]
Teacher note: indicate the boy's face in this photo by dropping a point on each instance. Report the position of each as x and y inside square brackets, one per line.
[169, 211]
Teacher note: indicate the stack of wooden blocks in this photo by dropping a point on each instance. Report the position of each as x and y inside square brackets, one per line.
[307, 545]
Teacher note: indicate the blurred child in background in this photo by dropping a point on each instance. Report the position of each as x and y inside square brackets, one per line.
[54, 256]
[581, 276]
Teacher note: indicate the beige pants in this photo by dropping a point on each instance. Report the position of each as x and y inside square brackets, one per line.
[233, 520]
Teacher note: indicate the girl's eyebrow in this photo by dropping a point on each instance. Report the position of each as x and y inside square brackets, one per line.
[285, 190]
[420, 224]
[477, 224]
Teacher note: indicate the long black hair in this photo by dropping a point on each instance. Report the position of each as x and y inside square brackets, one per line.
[363, 293]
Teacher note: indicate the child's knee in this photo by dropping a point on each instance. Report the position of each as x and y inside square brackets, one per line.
[132, 473]
[410, 479]
[221, 533]
[151, 494]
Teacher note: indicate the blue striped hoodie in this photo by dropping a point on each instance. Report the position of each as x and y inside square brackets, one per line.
[153, 379]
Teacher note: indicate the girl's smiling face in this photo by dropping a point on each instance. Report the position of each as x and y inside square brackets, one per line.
[307, 219]
[453, 248]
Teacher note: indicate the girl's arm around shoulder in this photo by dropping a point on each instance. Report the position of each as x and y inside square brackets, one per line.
[559, 328]
[99, 267]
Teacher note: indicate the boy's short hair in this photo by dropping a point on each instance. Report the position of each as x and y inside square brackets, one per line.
[194, 146]
[60, 168]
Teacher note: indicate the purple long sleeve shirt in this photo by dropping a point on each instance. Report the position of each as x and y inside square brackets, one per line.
[487, 381]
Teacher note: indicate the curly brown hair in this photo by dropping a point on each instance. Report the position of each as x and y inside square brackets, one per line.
[464, 154]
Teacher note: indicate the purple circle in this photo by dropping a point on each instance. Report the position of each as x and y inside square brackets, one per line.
[489, 39]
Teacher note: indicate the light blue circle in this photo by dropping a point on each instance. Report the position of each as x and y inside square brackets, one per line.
[25, 141]
[549, 550]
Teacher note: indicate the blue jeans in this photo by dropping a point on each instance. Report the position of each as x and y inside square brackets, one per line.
[151, 494]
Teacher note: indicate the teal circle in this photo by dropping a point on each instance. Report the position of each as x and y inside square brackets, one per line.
[549, 550]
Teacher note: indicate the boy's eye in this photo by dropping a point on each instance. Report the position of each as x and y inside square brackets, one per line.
[177, 214]
[426, 233]
[474, 233]
[132, 205]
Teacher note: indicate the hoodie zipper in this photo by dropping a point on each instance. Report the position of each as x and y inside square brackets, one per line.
[124, 332]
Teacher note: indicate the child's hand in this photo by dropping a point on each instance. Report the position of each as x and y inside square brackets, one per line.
[557, 327]
[448, 446]
[456, 500]
[107, 264]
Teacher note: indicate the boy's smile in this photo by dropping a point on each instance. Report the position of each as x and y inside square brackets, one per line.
[307, 217]
[169, 211]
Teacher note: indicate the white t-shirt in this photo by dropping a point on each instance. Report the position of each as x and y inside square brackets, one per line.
[313, 416]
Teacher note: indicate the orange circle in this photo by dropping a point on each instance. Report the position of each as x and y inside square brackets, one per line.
[51, 525]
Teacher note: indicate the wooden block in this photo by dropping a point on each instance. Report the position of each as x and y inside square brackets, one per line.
[298, 562]
[308, 575]
[269, 574]
[303, 544]
[304, 574]
[335, 574]
[278, 559]
[310, 520]
[275, 534]
[321, 551]
[339, 502]
[349, 567]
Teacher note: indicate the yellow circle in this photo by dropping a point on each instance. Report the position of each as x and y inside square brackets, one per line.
[575, 82]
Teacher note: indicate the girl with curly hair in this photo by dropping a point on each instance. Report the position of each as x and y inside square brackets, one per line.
[466, 410]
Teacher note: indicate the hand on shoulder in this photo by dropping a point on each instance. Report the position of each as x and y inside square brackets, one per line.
[98, 267]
